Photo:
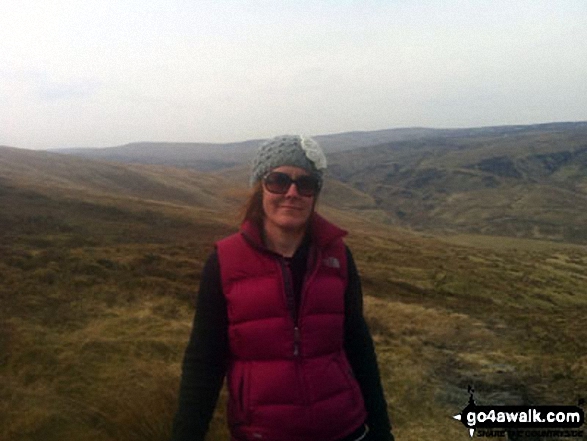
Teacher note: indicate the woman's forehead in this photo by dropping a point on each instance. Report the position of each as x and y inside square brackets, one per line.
[291, 170]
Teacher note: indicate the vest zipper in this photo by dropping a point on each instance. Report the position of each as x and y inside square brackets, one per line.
[314, 263]
[290, 304]
[297, 339]
[315, 259]
[311, 272]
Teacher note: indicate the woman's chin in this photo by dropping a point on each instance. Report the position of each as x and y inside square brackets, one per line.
[292, 224]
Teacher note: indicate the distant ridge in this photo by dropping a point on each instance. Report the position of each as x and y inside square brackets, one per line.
[519, 181]
[199, 156]
[214, 156]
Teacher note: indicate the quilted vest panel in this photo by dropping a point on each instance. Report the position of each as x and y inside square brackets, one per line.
[287, 381]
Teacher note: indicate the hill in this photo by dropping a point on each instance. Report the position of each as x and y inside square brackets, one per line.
[528, 183]
[521, 181]
[73, 175]
[100, 264]
[198, 156]
[213, 156]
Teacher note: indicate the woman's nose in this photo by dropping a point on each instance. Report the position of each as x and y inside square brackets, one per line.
[292, 190]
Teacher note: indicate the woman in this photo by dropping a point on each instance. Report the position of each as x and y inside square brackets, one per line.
[279, 313]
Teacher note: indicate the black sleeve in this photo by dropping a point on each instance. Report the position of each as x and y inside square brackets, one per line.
[205, 359]
[360, 352]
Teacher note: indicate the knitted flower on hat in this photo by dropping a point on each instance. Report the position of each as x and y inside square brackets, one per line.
[313, 152]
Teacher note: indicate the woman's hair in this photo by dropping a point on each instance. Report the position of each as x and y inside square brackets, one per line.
[253, 208]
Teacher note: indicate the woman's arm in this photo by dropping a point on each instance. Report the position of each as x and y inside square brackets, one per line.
[205, 359]
[360, 352]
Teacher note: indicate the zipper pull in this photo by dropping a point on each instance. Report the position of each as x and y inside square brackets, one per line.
[297, 340]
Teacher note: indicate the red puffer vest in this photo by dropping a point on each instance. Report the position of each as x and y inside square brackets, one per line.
[288, 381]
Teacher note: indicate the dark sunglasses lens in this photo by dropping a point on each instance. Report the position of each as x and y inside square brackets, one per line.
[278, 182]
[307, 185]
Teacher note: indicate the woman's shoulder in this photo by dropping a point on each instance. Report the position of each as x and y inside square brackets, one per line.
[228, 239]
[212, 266]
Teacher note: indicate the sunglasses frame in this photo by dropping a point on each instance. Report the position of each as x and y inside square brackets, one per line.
[290, 181]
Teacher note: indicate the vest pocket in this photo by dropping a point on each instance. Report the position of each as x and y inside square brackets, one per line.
[349, 376]
[241, 396]
[346, 370]
[238, 411]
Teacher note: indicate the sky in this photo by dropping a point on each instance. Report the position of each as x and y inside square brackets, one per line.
[81, 73]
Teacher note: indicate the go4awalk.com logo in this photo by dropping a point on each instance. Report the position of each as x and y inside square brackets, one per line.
[545, 421]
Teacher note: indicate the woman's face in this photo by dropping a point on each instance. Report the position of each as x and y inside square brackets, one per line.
[289, 211]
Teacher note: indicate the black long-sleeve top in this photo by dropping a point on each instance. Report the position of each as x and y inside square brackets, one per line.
[207, 354]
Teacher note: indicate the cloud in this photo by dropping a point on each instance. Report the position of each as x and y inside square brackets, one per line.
[30, 85]
[48, 90]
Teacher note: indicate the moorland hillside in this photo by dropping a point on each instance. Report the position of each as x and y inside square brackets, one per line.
[72, 175]
[530, 184]
[216, 156]
[99, 268]
[518, 181]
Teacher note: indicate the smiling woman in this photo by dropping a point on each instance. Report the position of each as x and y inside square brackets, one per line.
[280, 315]
[288, 203]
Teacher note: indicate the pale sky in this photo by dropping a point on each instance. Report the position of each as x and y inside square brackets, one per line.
[81, 73]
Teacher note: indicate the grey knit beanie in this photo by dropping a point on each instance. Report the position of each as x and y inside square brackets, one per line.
[294, 150]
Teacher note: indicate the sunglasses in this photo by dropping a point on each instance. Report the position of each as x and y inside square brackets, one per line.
[279, 183]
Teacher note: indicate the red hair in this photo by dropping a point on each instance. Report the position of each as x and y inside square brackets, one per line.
[253, 208]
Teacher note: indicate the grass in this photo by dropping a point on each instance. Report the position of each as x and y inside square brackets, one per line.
[97, 299]
[97, 304]
[94, 339]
